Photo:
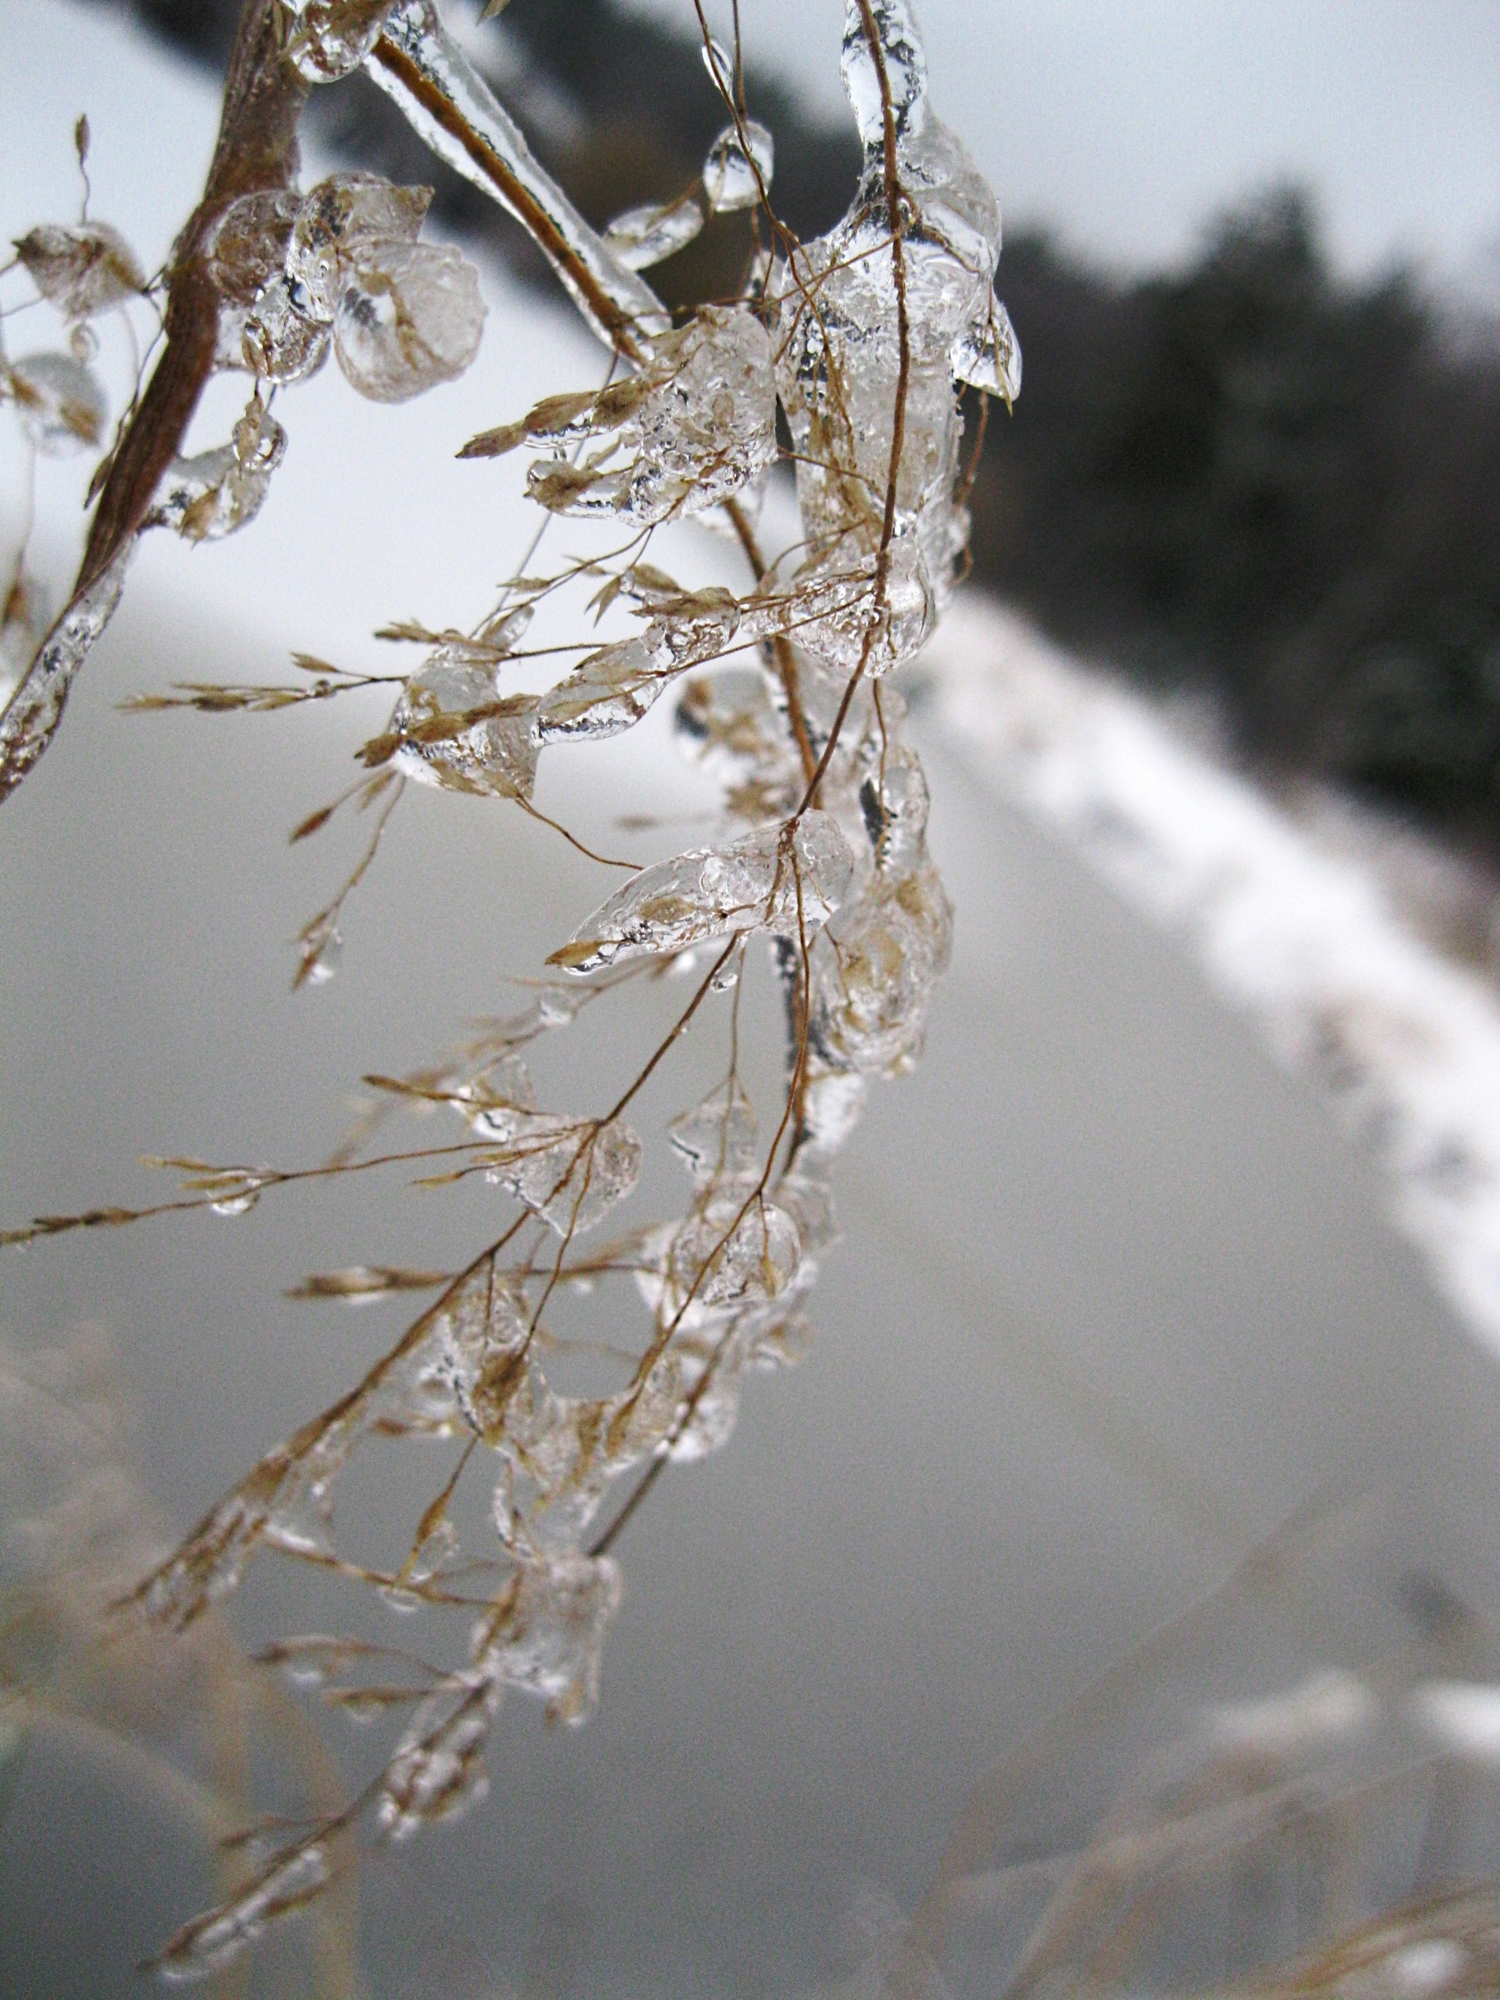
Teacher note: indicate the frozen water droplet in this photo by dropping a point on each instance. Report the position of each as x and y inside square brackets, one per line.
[412, 321]
[737, 168]
[325, 963]
[82, 270]
[718, 62]
[61, 405]
[987, 355]
[209, 496]
[717, 1137]
[237, 1204]
[779, 878]
[650, 234]
[327, 39]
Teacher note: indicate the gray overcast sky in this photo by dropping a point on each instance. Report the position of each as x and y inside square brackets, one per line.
[1129, 122]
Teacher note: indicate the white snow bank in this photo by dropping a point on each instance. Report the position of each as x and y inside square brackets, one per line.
[1304, 941]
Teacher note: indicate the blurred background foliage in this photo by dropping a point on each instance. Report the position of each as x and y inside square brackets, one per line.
[1248, 481]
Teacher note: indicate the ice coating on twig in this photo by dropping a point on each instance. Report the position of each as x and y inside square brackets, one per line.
[784, 879]
[287, 1883]
[418, 63]
[35, 709]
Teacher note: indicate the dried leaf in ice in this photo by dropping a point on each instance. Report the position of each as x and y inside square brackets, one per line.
[696, 425]
[82, 270]
[346, 224]
[604, 694]
[287, 1883]
[785, 879]
[569, 1171]
[613, 688]
[738, 167]
[735, 1247]
[451, 727]
[409, 322]
[261, 329]
[833, 605]
[550, 1642]
[650, 234]
[246, 248]
[987, 355]
[437, 1768]
[870, 999]
[211, 495]
[60, 404]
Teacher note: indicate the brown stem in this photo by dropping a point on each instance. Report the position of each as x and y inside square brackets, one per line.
[781, 645]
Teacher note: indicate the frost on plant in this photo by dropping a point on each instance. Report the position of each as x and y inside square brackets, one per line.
[858, 346]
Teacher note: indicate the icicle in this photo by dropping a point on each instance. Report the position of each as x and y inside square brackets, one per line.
[987, 355]
[905, 68]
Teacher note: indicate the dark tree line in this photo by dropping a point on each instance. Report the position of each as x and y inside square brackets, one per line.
[1250, 478]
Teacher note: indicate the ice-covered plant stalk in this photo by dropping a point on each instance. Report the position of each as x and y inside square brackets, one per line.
[863, 340]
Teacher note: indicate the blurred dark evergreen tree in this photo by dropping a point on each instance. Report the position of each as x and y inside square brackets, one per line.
[1249, 478]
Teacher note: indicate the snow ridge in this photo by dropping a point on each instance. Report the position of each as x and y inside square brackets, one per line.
[1305, 942]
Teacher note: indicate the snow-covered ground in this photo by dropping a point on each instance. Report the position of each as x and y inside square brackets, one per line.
[1290, 921]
